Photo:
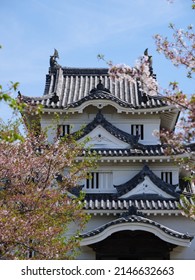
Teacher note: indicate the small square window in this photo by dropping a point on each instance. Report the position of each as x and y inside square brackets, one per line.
[63, 130]
[167, 177]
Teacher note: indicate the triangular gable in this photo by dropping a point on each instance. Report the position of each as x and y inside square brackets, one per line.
[100, 138]
[146, 184]
[100, 121]
[147, 189]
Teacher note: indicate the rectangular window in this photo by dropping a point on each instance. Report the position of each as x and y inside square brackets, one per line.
[138, 129]
[167, 177]
[93, 181]
[63, 129]
[99, 181]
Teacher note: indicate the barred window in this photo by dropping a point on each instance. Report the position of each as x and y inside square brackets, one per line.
[138, 129]
[93, 181]
[167, 177]
[63, 130]
[99, 180]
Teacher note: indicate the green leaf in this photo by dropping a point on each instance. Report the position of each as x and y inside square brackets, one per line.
[14, 85]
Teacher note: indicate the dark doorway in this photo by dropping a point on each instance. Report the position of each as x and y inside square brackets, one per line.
[132, 245]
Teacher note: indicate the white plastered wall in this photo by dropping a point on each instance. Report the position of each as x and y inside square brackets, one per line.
[122, 121]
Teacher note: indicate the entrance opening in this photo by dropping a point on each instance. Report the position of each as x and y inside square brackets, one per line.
[132, 245]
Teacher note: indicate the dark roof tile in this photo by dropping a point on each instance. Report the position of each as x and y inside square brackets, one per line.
[74, 86]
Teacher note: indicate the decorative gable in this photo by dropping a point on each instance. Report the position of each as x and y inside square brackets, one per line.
[147, 188]
[100, 130]
[102, 139]
[100, 93]
[146, 185]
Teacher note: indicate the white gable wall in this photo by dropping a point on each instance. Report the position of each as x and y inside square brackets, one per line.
[122, 121]
[100, 138]
[146, 187]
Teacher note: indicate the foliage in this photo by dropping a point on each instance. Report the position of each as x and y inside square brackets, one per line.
[5, 95]
[181, 51]
[187, 208]
[36, 179]
[35, 208]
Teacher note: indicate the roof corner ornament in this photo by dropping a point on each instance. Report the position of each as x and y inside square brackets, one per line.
[53, 60]
[54, 98]
[149, 61]
[99, 117]
[100, 87]
[19, 97]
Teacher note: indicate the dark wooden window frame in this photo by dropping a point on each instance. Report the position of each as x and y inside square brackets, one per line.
[138, 129]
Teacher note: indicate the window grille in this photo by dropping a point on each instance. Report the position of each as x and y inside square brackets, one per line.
[138, 129]
[63, 130]
[167, 177]
[99, 181]
[92, 181]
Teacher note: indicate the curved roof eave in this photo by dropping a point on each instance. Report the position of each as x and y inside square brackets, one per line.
[133, 223]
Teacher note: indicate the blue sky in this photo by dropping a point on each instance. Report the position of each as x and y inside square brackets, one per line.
[80, 30]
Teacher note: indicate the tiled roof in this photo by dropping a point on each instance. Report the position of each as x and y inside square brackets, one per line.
[141, 151]
[137, 179]
[111, 202]
[134, 219]
[70, 87]
[103, 94]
